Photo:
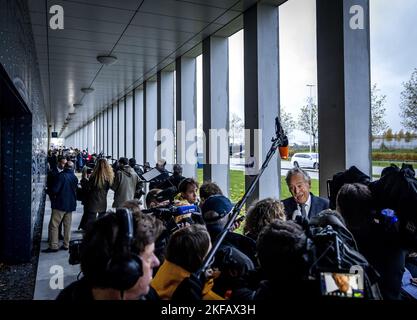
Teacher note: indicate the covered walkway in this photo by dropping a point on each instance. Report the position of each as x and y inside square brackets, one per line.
[119, 72]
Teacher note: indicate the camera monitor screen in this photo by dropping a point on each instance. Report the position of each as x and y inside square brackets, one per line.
[342, 285]
[151, 174]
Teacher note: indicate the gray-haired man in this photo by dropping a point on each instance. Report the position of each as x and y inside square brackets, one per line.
[302, 203]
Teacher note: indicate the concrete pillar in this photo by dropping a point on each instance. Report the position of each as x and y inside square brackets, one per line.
[121, 128]
[79, 138]
[95, 139]
[114, 136]
[129, 125]
[343, 73]
[150, 121]
[261, 61]
[216, 111]
[139, 126]
[102, 137]
[109, 131]
[186, 106]
[100, 130]
[84, 137]
[90, 137]
[165, 121]
[105, 150]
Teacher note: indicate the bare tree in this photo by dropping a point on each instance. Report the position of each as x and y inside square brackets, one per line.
[308, 122]
[287, 121]
[236, 127]
[409, 103]
[378, 123]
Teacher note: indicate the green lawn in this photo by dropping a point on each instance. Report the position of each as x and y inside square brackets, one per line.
[237, 185]
[388, 163]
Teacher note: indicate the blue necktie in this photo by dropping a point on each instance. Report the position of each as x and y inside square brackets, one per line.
[303, 210]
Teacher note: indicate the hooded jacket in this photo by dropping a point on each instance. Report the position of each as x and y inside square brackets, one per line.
[168, 278]
[125, 184]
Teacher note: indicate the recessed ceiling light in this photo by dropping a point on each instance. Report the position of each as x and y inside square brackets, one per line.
[77, 105]
[107, 60]
[87, 90]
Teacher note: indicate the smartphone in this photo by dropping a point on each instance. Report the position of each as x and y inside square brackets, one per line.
[344, 285]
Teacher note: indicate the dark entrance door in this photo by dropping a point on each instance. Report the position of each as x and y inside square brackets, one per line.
[15, 174]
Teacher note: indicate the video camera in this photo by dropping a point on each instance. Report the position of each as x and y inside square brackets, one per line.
[75, 249]
[332, 257]
[173, 216]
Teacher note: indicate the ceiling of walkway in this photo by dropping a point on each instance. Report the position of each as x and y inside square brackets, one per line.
[145, 36]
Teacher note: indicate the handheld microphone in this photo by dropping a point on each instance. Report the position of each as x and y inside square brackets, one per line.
[299, 219]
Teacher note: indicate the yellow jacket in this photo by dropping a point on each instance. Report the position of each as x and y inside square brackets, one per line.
[169, 276]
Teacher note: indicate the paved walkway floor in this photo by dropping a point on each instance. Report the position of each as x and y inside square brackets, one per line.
[54, 272]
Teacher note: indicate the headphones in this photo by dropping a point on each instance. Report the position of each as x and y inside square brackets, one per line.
[124, 267]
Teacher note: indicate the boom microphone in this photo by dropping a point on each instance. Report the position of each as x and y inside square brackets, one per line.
[282, 139]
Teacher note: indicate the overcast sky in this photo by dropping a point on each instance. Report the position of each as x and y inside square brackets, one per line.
[393, 50]
[393, 37]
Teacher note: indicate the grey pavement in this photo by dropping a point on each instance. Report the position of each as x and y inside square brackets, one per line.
[54, 267]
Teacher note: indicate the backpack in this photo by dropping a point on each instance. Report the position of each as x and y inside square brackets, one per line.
[351, 175]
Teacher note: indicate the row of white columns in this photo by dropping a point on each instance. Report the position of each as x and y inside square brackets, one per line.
[128, 127]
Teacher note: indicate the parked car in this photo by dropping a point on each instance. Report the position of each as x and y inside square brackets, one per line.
[305, 160]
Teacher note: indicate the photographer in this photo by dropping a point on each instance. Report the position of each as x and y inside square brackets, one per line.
[176, 177]
[162, 178]
[236, 255]
[151, 199]
[379, 243]
[216, 213]
[280, 250]
[117, 259]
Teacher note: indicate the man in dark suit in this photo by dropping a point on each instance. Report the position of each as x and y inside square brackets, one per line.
[63, 202]
[302, 203]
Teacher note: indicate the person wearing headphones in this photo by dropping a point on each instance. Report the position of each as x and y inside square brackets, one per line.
[117, 259]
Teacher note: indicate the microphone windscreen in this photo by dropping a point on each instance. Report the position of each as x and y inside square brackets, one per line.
[187, 209]
[284, 152]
